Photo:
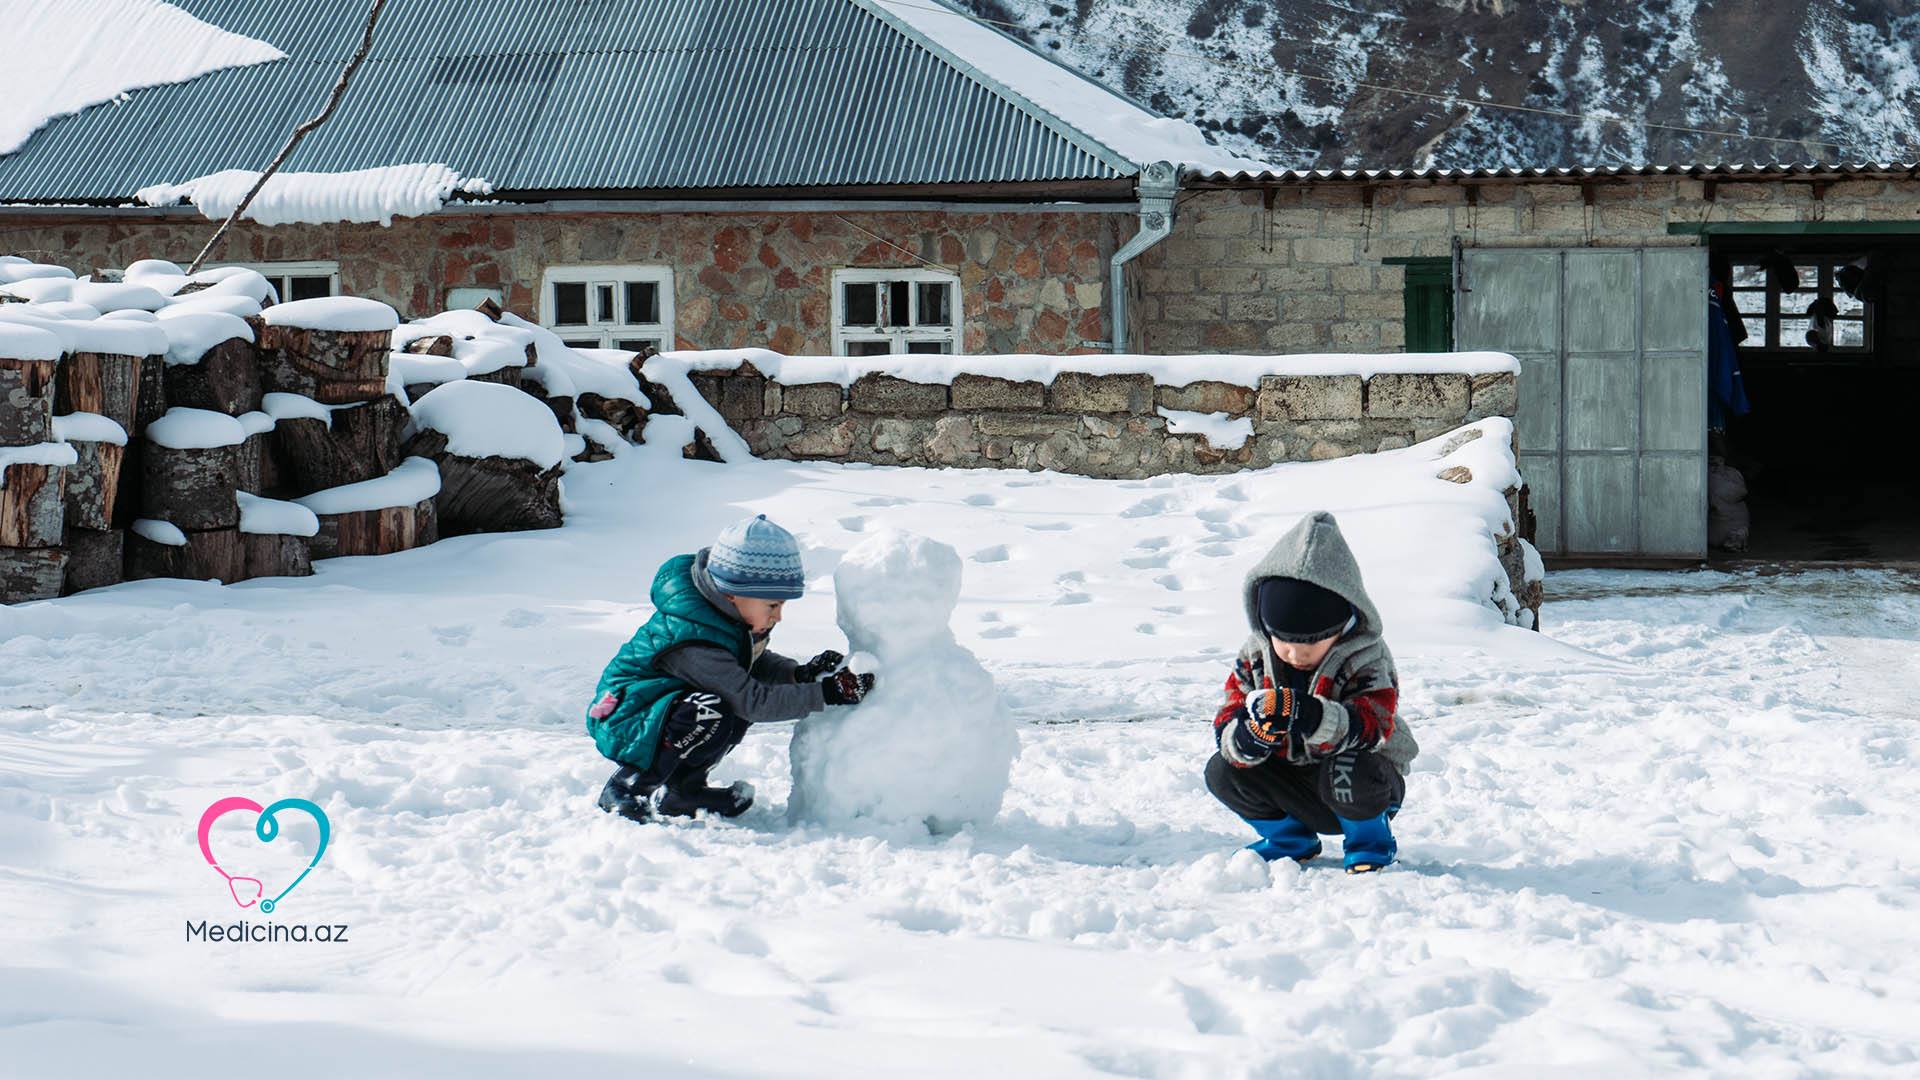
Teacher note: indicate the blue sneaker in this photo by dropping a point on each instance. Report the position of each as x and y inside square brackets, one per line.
[1370, 844]
[1284, 838]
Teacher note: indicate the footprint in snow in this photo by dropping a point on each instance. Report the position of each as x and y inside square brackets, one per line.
[520, 617]
[1052, 526]
[882, 500]
[856, 523]
[454, 635]
[1215, 551]
[1148, 507]
[1169, 582]
[1071, 598]
[996, 553]
[1154, 543]
[1002, 631]
[981, 500]
[1146, 628]
[1233, 493]
[1148, 562]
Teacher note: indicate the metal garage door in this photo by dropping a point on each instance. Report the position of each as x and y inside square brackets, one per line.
[1613, 390]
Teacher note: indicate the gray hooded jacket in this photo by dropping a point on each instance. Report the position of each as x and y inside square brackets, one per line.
[1358, 671]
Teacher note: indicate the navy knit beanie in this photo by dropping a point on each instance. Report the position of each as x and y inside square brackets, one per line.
[757, 559]
[1301, 612]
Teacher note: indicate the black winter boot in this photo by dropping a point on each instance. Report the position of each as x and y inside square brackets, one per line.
[688, 793]
[627, 796]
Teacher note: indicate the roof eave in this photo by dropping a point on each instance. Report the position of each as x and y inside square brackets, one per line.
[1581, 174]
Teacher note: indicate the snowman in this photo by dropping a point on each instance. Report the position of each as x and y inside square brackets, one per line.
[932, 744]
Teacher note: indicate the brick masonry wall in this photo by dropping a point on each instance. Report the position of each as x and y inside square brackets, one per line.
[1029, 282]
[1094, 425]
[1308, 273]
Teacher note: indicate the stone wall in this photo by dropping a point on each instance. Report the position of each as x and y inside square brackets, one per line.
[1095, 425]
[1303, 268]
[1029, 281]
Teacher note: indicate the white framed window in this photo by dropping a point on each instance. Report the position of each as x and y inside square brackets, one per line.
[1782, 313]
[609, 307]
[876, 312]
[299, 280]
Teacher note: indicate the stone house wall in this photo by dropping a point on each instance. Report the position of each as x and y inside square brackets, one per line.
[1303, 268]
[1029, 281]
[1095, 425]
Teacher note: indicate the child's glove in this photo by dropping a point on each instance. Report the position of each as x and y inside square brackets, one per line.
[819, 667]
[846, 688]
[1262, 729]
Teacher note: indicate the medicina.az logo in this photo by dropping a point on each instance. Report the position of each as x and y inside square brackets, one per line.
[250, 892]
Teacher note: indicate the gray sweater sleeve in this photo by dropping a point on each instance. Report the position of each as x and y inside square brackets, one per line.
[774, 668]
[714, 670]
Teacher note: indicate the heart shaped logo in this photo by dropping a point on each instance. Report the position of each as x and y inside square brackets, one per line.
[249, 891]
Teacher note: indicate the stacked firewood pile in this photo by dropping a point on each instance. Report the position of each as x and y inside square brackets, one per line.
[172, 427]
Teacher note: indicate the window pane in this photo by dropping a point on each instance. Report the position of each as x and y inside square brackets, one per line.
[1850, 335]
[1756, 331]
[643, 302]
[1796, 303]
[861, 303]
[569, 303]
[603, 310]
[637, 344]
[309, 288]
[1847, 304]
[1793, 333]
[897, 300]
[935, 309]
[869, 348]
[1749, 276]
[583, 343]
[929, 346]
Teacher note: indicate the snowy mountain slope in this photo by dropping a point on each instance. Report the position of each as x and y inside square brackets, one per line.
[1825, 71]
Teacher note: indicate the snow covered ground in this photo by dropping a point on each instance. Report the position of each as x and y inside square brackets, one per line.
[1675, 834]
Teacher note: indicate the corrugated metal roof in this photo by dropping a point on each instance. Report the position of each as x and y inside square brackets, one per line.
[1726, 171]
[576, 96]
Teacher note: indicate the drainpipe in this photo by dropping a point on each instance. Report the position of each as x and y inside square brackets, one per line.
[1158, 185]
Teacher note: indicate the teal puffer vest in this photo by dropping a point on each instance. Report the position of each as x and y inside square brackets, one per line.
[630, 704]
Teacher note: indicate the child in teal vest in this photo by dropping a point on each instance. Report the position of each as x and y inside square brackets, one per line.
[682, 692]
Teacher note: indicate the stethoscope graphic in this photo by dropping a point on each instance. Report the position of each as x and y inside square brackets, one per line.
[266, 828]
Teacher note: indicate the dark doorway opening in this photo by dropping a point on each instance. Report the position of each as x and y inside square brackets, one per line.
[1828, 452]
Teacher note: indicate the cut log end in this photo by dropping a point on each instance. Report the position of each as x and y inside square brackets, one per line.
[376, 532]
[31, 574]
[33, 509]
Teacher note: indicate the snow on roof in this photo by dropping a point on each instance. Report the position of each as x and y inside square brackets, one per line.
[365, 195]
[61, 56]
[1121, 124]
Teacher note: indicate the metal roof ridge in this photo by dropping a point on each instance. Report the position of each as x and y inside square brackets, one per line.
[1110, 156]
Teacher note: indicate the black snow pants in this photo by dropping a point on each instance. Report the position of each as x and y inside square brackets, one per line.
[1355, 785]
[699, 731]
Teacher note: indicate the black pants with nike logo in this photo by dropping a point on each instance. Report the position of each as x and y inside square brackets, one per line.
[1355, 785]
[698, 732]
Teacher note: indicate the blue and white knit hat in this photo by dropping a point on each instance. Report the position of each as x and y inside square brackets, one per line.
[758, 559]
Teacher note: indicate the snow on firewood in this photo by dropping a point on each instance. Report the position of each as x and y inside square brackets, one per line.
[489, 420]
